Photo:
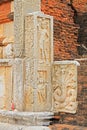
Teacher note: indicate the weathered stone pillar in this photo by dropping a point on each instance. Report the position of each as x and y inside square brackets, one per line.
[34, 45]
[64, 81]
[18, 83]
[39, 53]
[21, 7]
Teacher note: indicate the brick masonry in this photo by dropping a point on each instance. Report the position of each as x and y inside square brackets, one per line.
[68, 18]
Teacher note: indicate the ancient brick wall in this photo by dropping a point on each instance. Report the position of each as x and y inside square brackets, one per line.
[65, 31]
[82, 93]
[67, 26]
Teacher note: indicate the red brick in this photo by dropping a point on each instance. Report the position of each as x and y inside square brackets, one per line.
[5, 9]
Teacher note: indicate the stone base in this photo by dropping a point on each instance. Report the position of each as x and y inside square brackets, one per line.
[26, 118]
[6, 126]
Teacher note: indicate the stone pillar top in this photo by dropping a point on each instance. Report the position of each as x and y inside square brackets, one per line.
[21, 8]
[32, 6]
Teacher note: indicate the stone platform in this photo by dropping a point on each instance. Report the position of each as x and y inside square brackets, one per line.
[26, 118]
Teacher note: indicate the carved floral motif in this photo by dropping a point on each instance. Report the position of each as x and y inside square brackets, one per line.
[64, 88]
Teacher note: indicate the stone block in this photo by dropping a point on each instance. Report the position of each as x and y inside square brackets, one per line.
[37, 87]
[39, 53]
[39, 37]
[64, 80]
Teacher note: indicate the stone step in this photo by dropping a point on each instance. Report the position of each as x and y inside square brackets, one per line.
[6, 126]
[26, 118]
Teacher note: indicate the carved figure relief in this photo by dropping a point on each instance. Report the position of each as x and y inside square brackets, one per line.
[42, 86]
[28, 96]
[64, 88]
[43, 39]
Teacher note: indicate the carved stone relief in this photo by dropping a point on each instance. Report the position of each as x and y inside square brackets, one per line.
[44, 89]
[37, 88]
[43, 34]
[64, 80]
[28, 99]
[42, 86]
[29, 36]
[38, 37]
[38, 50]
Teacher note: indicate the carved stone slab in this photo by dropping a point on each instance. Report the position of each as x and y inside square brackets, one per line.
[37, 87]
[11, 83]
[39, 53]
[64, 80]
[39, 37]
